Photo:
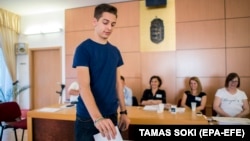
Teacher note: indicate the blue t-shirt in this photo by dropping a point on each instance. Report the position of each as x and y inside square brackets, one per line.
[102, 61]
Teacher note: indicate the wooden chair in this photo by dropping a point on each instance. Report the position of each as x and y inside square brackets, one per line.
[10, 117]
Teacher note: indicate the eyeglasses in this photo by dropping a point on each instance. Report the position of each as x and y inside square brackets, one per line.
[234, 81]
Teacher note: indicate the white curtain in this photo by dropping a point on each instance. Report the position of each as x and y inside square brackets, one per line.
[5, 80]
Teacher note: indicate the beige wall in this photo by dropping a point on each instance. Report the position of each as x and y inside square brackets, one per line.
[212, 39]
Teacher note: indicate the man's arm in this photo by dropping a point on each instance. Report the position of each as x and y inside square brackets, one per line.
[104, 125]
[119, 90]
[85, 92]
[124, 120]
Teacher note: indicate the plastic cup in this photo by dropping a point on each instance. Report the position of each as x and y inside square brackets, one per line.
[193, 106]
[160, 108]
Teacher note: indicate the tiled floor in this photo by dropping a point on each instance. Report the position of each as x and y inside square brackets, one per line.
[8, 135]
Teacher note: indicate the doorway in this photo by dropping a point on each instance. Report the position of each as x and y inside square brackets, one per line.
[45, 76]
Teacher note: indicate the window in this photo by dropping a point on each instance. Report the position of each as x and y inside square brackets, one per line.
[5, 81]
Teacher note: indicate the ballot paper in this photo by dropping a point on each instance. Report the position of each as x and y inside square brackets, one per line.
[99, 137]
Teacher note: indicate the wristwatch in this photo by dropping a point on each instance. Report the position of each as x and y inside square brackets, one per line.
[124, 112]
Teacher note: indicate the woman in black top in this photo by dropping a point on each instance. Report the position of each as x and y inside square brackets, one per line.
[195, 94]
[154, 95]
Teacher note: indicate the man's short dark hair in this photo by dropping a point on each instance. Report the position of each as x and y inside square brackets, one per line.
[99, 9]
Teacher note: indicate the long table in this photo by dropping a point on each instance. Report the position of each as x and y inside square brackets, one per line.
[57, 122]
[138, 116]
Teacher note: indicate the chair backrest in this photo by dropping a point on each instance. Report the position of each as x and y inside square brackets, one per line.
[135, 102]
[179, 103]
[10, 111]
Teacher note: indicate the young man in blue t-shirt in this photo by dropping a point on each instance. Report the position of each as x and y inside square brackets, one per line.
[97, 64]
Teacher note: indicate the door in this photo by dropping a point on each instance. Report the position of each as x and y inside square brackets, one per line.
[45, 76]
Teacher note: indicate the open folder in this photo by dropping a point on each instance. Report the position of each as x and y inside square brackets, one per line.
[99, 137]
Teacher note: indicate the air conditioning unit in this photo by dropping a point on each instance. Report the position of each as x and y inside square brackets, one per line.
[21, 48]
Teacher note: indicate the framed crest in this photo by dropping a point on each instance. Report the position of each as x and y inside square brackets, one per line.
[157, 30]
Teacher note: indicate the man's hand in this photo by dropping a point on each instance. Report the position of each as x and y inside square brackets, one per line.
[106, 127]
[123, 122]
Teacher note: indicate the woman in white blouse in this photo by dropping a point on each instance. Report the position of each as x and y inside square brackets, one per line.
[230, 101]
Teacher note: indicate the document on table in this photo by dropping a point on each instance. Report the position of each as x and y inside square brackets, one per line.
[99, 137]
[49, 109]
[151, 107]
[232, 120]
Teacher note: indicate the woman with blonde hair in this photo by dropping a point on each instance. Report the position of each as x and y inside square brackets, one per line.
[194, 94]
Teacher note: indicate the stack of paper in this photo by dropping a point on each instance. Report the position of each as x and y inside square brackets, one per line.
[151, 107]
[232, 120]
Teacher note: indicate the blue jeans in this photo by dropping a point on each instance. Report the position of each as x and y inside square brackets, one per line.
[85, 128]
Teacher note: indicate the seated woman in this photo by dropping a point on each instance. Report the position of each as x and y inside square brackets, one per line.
[230, 101]
[195, 94]
[154, 95]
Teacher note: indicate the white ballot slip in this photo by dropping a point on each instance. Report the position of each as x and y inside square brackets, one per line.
[99, 137]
